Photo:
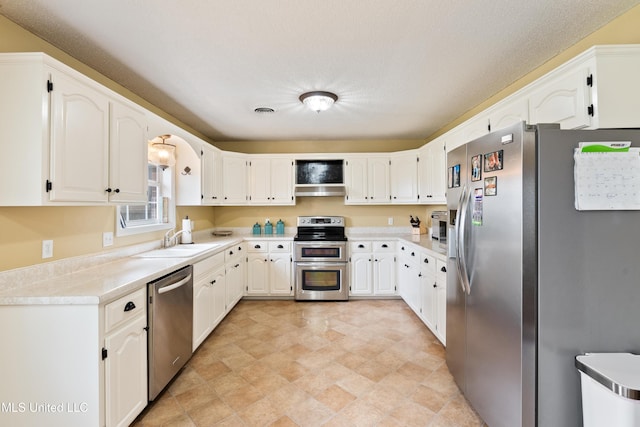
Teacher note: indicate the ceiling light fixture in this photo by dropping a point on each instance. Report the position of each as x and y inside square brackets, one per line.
[318, 100]
[162, 153]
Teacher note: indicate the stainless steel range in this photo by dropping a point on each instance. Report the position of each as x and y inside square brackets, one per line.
[320, 259]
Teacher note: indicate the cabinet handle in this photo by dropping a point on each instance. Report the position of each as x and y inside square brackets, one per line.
[361, 246]
[413, 254]
[280, 247]
[236, 266]
[213, 282]
[230, 252]
[385, 245]
[435, 285]
[402, 248]
[129, 306]
[257, 246]
[443, 269]
[117, 190]
[426, 260]
[419, 274]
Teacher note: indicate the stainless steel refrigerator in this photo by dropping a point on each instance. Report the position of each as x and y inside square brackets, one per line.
[532, 281]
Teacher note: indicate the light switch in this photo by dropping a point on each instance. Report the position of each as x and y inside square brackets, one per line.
[47, 249]
[107, 239]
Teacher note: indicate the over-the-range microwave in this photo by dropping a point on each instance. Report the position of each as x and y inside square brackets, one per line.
[320, 177]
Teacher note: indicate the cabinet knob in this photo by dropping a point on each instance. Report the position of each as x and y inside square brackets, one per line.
[213, 282]
[435, 286]
[426, 260]
[108, 190]
[117, 190]
[413, 254]
[230, 252]
[443, 269]
[129, 306]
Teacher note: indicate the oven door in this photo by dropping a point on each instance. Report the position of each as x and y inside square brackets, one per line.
[322, 281]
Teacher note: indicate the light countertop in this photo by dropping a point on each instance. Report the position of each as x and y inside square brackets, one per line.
[109, 280]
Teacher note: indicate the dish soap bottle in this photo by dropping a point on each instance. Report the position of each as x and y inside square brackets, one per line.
[268, 228]
[279, 227]
[257, 229]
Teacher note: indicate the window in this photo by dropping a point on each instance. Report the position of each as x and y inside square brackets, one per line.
[156, 214]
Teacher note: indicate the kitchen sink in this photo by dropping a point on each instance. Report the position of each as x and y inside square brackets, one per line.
[179, 251]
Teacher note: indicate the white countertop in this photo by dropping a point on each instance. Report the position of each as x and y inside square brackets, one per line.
[108, 281]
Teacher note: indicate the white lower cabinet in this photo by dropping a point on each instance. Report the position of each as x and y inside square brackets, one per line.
[409, 276]
[209, 297]
[441, 301]
[373, 270]
[422, 281]
[125, 357]
[235, 272]
[269, 268]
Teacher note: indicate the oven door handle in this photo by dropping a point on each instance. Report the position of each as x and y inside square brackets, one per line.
[320, 264]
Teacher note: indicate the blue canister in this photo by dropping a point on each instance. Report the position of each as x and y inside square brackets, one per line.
[279, 227]
[268, 228]
[257, 229]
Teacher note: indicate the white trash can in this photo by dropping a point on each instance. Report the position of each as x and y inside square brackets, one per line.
[610, 389]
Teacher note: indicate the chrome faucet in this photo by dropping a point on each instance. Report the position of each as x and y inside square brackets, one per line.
[171, 240]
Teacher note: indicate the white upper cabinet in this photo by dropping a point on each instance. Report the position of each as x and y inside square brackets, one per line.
[367, 180]
[128, 150]
[271, 181]
[562, 99]
[432, 184]
[72, 141]
[508, 112]
[79, 141]
[211, 175]
[404, 177]
[234, 181]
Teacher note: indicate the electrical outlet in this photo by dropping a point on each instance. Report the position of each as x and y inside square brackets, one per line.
[390, 222]
[47, 249]
[107, 239]
[266, 220]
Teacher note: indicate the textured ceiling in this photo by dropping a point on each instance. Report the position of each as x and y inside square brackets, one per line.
[402, 68]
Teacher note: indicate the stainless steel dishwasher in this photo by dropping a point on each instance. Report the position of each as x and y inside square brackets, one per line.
[170, 300]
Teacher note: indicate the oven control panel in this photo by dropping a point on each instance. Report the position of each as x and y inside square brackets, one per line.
[321, 221]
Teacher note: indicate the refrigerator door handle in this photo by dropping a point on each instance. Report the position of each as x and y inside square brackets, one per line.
[462, 225]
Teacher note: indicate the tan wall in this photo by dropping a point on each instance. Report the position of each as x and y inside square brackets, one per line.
[78, 230]
[360, 146]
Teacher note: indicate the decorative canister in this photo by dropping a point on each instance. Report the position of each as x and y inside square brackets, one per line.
[257, 229]
[268, 228]
[279, 227]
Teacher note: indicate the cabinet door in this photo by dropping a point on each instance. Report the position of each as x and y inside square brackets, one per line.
[126, 373]
[280, 274]
[509, 113]
[432, 184]
[234, 282]
[356, 180]
[282, 181]
[562, 100]
[361, 274]
[378, 180]
[211, 175]
[128, 155]
[79, 142]
[257, 274]
[234, 168]
[260, 181]
[404, 178]
[218, 296]
[428, 288]
[202, 315]
[384, 274]
[441, 301]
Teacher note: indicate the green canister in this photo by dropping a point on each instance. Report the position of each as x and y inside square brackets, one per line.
[268, 228]
[279, 227]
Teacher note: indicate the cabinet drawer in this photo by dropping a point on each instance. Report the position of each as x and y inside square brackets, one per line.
[360, 247]
[384, 246]
[233, 252]
[203, 267]
[257, 246]
[279, 246]
[125, 308]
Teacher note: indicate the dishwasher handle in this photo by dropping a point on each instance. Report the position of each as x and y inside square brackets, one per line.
[173, 286]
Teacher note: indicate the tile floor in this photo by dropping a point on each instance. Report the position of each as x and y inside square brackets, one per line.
[287, 363]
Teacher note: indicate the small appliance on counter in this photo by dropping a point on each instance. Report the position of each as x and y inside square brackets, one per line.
[439, 220]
